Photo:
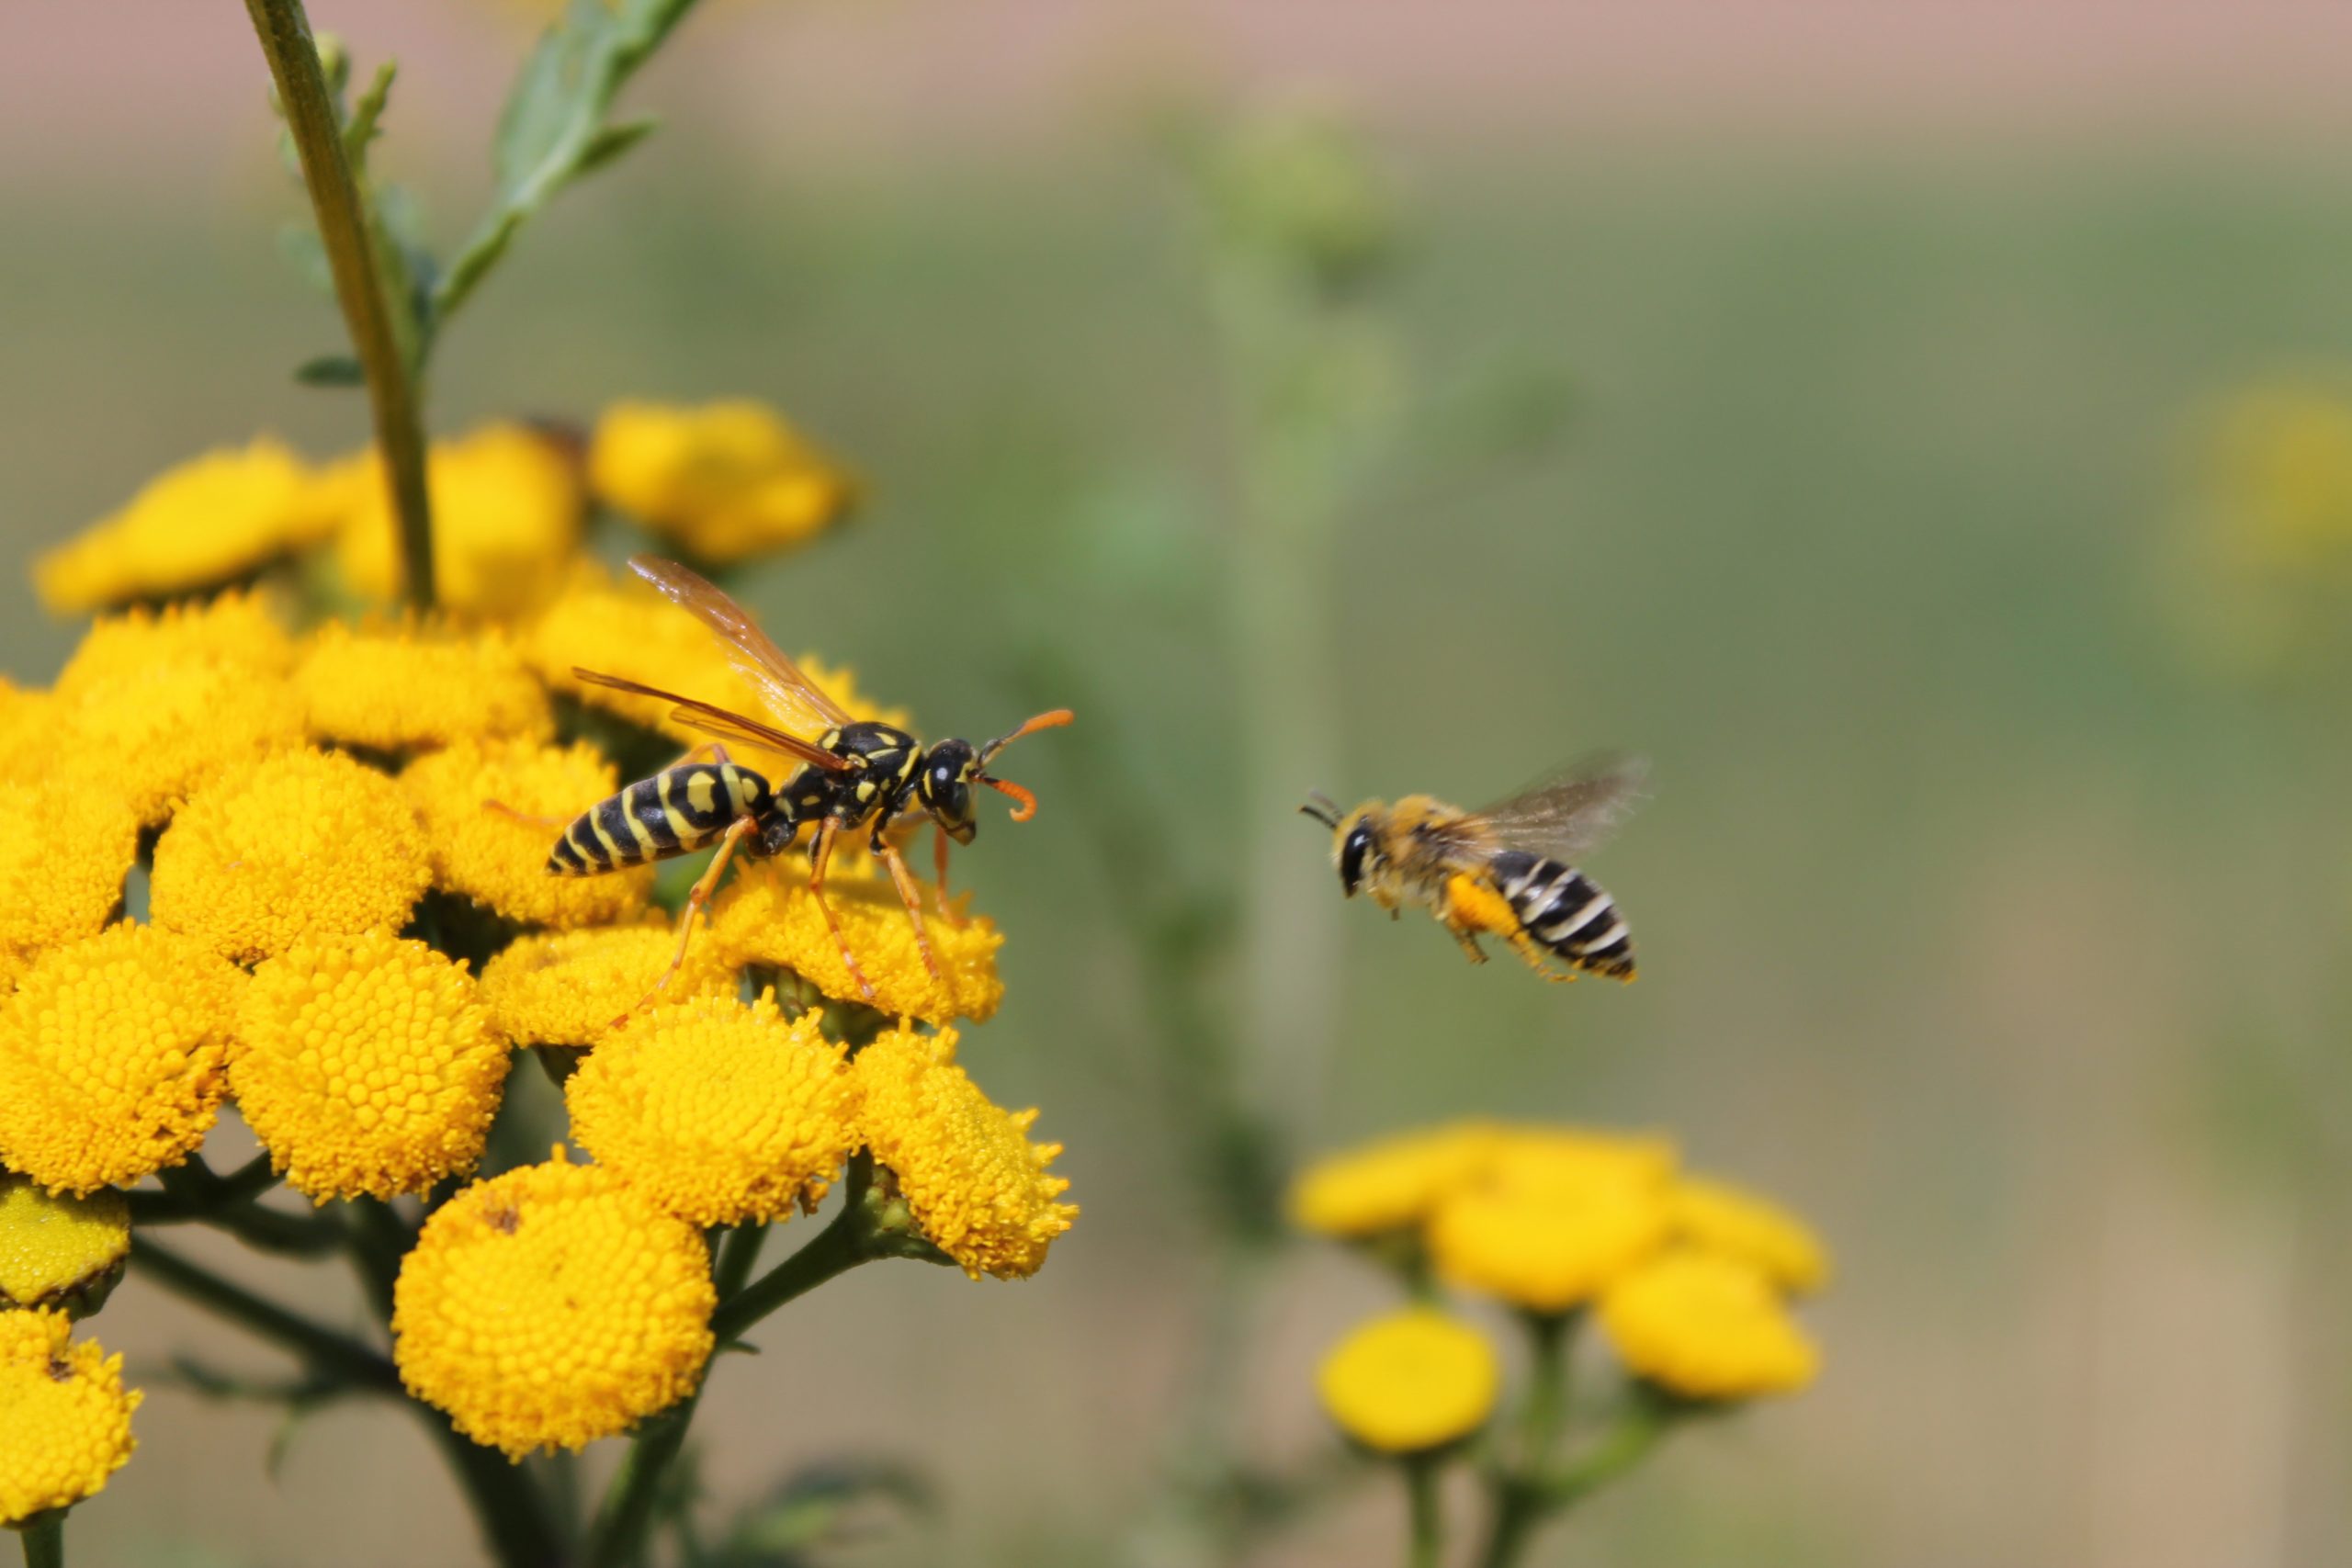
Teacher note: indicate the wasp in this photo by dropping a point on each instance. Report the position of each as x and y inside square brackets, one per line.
[852, 775]
[1502, 871]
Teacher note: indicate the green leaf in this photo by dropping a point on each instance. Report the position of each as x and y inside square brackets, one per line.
[823, 1504]
[330, 370]
[300, 244]
[359, 128]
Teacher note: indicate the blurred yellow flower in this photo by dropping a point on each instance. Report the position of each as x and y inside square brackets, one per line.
[506, 515]
[235, 631]
[209, 521]
[1391, 1183]
[1547, 1243]
[568, 987]
[727, 481]
[28, 728]
[1410, 1381]
[394, 688]
[774, 919]
[721, 1114]
[64, 1415]
[976, 1184]
[1716, 1216]
[151, 737]
[552, 1306]
[111, 1057]
[302, 845]
[368, 1066]
[1534, 1159]
[63, 879]
[56, 1251]
[502, 862]
[1707, 1327]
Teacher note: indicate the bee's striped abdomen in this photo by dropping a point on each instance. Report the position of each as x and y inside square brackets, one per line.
[1560, 907]
[672, 813]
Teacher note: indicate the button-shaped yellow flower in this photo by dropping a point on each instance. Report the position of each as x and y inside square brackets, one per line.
[235, 631]
[396, 687]
[151, 737]
[728, 481]
[500, 862]
[64, 1415]
[111, 1057]
[1550, 1238]
[1707, 1327]
[1391, 1183]
[60, 1251]
[974, 1181]
[63, 877]
[207, 521]
[569, 988]
[719, 1112]
[29, 725]
[775, 921]
[368, 1066]
[506, 512]
[302, 845]
[1719, 1217]
[552, 1306]
[1410, 1382]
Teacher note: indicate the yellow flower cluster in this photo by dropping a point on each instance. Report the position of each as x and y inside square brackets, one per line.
[727, 481]
[499, 859]
[569, 988]
[399, 687]
[59, 1251]
[1549, 1220]
[775, 921]
[64, 1415]
[1410, 1382]
[506, 516]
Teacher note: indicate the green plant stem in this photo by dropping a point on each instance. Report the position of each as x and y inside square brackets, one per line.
[839, 1248]
[1641, 1425]
[348, 233]
[193, 1193]
[739, 1253]
[379, 1239]
[1425, 1505]
[44, 1539]
[334, 1356]
[629, 1505]
[1521, 1495]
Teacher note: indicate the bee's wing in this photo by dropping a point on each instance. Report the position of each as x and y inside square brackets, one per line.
[717, 721]
[793, 700]
[1569, 811]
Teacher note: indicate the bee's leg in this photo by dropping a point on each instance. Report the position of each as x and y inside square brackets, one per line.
[818, 854]
[696, 902]
[912, 896]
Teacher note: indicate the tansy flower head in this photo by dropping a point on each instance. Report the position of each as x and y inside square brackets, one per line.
[368, 1066]
[568, 987]
[975, 1182]
[727, 482]
[64, 1415]
[1391, 1183]
[1707, 1327]
[1410, 1382]
[1716, 1216]
[1547, 1245]
[500, 862]
[305, 844]
[29, 725]
[774, 919]
[63, 877]
[202, 524]
[395, 687]
[506, 511]
[153, 736]
[1540, 1158]
[111, 1055]
[59, 1251]
[235, 631]
[720, 1113]
[552, 1306]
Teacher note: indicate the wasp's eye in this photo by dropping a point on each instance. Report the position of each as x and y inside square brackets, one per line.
[1353, 849]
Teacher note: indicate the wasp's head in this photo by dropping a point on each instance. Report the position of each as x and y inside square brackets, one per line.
[1355, 839]
[944, 786]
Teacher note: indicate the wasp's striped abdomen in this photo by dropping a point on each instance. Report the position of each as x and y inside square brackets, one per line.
[672, 813]
[1560, 907]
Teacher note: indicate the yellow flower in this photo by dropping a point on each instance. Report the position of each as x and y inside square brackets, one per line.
[151, 737]
[1550, 1236]
[552, 1306]
[720, 1113]
[60, 1252]
[64, 1415]
[974, 1181]
[727, 482]
[302, 845]
[368, 1066]
[1391, 1183]
[775, 921]
[1410, 1382]
[1707, 1327]
[499, 861]
[63, 877]
[29, 726]
[111, 1057]
[394, 688]
[1718, 1217]
[506, 511]
[1540, 1158]
[235, 631]
[568, 987]
[207, 521]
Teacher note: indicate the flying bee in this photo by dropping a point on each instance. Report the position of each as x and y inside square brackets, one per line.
[1503, 871]
[852, 775]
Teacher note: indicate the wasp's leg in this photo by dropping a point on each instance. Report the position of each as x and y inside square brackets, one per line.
[818, 854]
[696, 902]
[939, 868]
[912, 896]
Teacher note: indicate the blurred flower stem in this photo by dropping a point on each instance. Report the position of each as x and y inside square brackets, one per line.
[44, 1539]
[348, 232]
[1424, 1481]
[1519, 1487]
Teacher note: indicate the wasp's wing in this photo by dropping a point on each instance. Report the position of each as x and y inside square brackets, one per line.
[717, 721]
[793, 700]
[1567, 812]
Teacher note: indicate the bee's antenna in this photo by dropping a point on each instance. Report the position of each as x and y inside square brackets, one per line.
[1322, 807]
[1025, 804]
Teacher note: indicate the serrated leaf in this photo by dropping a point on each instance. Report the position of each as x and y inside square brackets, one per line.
[330, 370]
[360, 128]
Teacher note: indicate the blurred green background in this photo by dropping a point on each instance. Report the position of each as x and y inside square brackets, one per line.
[1980, 920]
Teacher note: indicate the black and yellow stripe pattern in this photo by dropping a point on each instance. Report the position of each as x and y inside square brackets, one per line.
[1561, 908]
[672, 813]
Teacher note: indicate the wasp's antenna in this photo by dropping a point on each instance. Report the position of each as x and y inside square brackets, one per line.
[1053, 720]
[1323, 808]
